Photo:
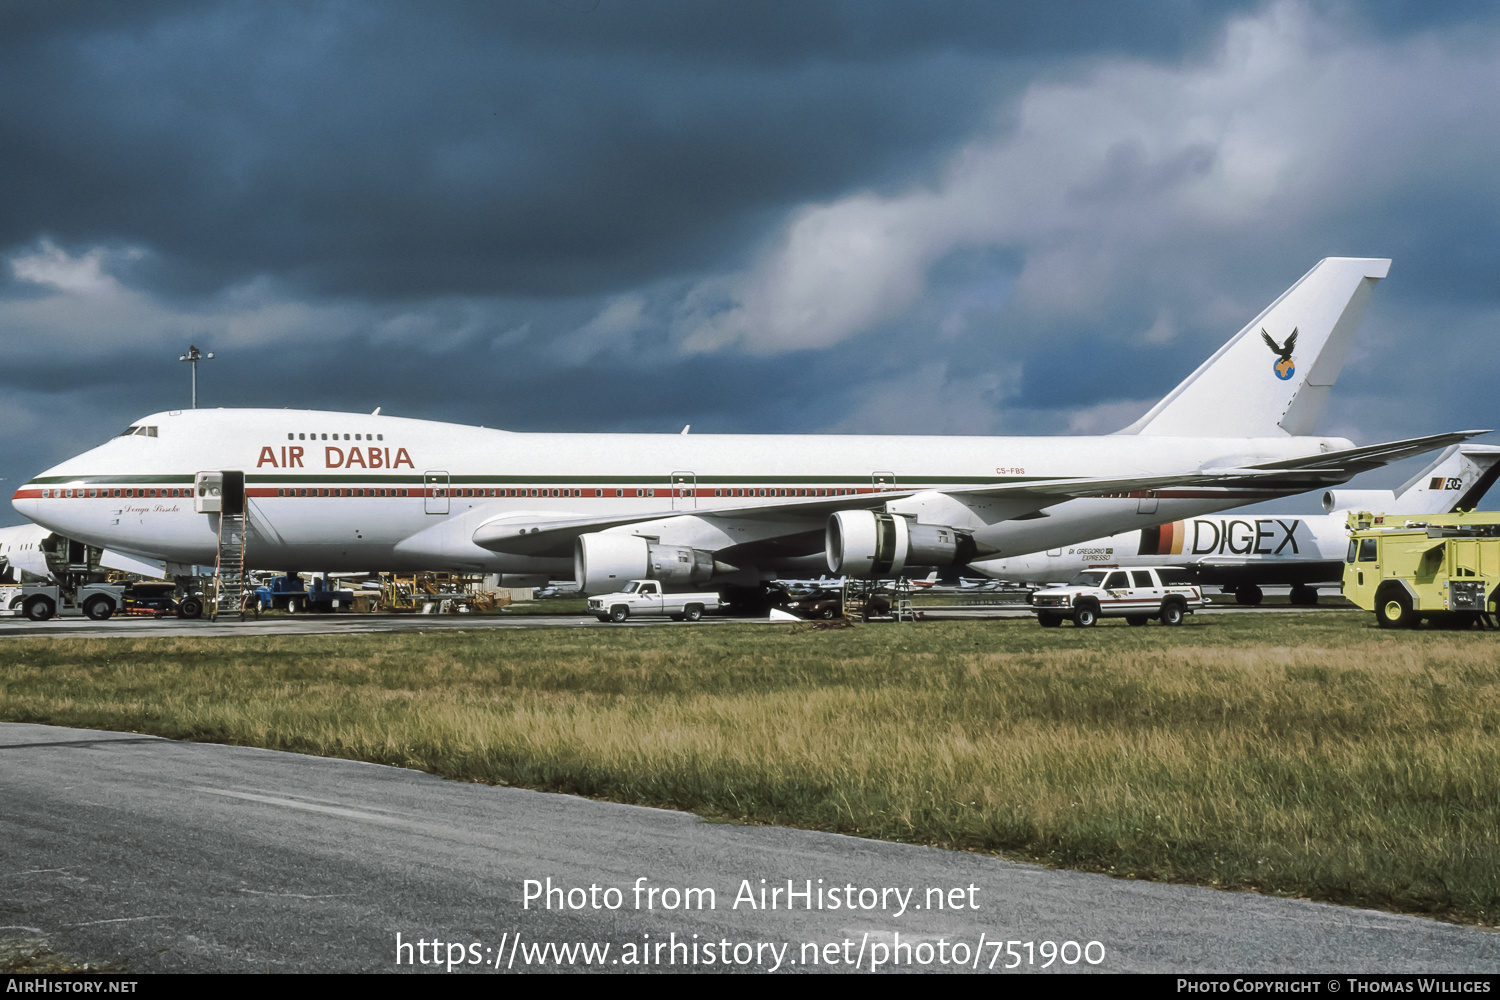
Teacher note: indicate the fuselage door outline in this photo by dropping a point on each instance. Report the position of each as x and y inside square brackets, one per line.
[435, 490]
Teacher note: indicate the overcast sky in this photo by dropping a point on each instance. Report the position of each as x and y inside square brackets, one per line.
[793, 217]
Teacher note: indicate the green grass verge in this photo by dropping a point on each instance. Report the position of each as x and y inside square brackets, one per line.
[1306, 754]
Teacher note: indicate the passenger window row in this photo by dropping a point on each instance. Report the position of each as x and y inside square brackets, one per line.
[325, 437]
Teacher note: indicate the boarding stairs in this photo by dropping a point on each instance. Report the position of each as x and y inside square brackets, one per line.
[902, 607]
[228, 595]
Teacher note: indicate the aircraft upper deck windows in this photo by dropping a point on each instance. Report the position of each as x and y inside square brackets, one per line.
[290, 436]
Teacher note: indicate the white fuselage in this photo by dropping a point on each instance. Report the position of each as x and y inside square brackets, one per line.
[1228, 551]
[341, 491]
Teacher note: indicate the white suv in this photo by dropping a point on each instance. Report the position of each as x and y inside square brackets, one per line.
[1137, 595]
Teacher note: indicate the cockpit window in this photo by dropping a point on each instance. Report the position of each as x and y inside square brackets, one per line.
[140, 429]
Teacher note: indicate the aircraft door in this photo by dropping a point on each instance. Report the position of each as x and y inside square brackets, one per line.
[883, 480]
[234, 491]
[208, 492]
[435, 491]
[684, 490]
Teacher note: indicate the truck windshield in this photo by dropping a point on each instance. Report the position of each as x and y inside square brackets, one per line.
[1088, 578]
[631, 587]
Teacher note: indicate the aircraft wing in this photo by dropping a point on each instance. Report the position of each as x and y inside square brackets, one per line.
[1352, 461]
[1315, 471]
[555, 536]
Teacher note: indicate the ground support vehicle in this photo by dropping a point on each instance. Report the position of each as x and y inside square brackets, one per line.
[1444, 568]
[156, 600]
[644, 598]
[433, 593]
[287, 593]
[1165, 593]
[41, 601]
[100, 601]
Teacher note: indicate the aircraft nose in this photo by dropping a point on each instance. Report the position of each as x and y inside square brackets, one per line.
[25, 500]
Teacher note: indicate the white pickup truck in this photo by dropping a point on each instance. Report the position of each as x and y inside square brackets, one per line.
[644, 598]
[1137, 595]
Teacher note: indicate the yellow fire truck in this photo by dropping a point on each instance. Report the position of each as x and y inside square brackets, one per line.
[1441, 567]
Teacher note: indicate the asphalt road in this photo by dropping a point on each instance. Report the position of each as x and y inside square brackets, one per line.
[73, 625]
[196, 857]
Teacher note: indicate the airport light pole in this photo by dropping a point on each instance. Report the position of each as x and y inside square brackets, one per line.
[194, 356]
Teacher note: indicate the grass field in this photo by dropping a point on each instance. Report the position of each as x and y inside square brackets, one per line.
[1302, 754]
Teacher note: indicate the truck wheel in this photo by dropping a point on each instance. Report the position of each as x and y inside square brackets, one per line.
[1086, 616]
[99, 608]
[1137, 619]
[619, 613]
[1171, 614]
[1047, 619]
[190, 607]
[40, 608]
[1249, 594]
[293, 605]
[693, 612]
[16, 602]
[1393, 609]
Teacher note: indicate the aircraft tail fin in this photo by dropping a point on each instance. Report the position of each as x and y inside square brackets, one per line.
[1273, 377]
[1458, 479]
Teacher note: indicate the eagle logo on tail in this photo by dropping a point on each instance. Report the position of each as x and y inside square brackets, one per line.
[1283, 365]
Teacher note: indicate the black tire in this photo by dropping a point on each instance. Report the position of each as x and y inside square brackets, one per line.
[693, 613]
[1304, 595]
[293, 605]
[1248, 594]
[1393, 609]
[190, 607]
[619, 613]
[602, 618]
[1048, 619]
[826, 614]
[16, 602]
[1137, 619]
[1086, 616]
[39, 608]
[1171, 613]
[99, 608]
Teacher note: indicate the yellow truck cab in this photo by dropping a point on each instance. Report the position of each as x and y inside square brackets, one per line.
[1441, 567]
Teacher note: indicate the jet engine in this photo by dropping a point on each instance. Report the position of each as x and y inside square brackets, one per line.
[603, 563]
[1376, 501]
[864, 543]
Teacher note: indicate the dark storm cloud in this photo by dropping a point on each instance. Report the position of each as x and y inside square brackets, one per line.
[391, 150]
